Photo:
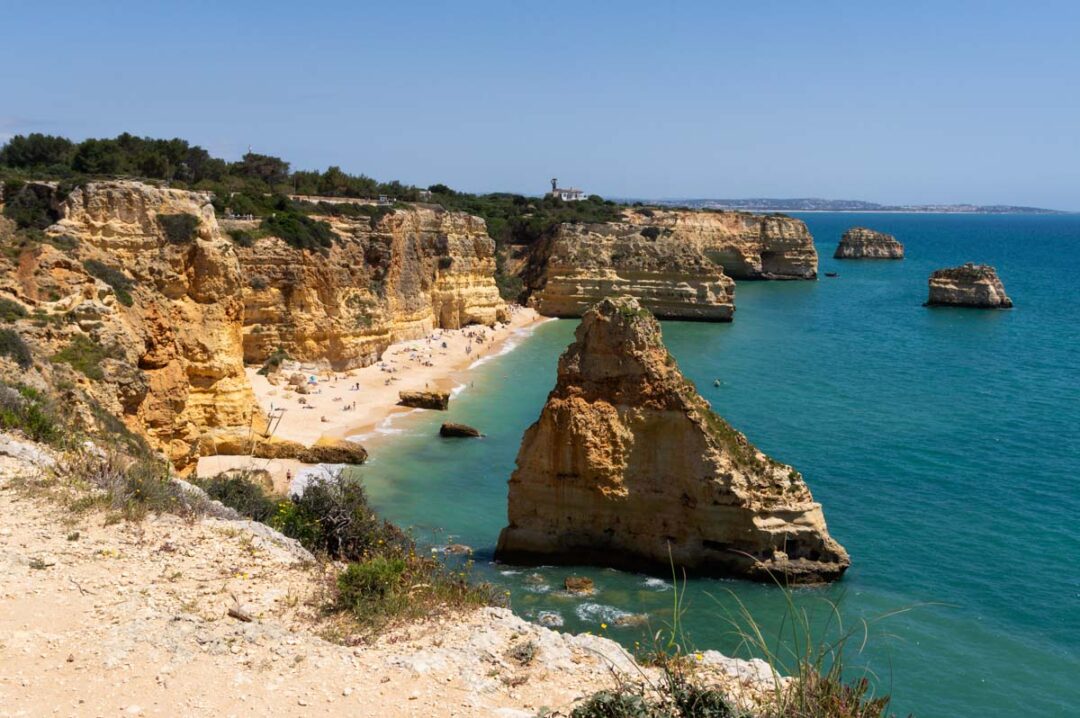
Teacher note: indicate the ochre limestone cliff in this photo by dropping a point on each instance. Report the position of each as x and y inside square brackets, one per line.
[747, 246]
[970, 285]
[863, 243]
[628, 466]
[415, 270]
[166, 322]
[583, 263]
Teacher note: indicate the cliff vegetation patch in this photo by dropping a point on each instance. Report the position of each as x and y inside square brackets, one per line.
[13, 347]
[179, 228]
[121, 283]
[84, 355]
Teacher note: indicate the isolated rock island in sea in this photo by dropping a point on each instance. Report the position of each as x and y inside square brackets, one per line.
[628, 467]
[971, 285]
[863, 243]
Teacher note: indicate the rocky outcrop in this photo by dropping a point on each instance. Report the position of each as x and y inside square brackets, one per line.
[747, 246]
[627, 466]
[863, 243]
[971, 285]
[164, 311]
[382, 281]
[450, 429]
[583, 263]
[437, 400]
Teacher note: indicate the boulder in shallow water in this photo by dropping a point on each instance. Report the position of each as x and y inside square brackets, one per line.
[438, 400]
[628, 467]
[863, 243]
[971, 285]
[579, 584]
[450, 429]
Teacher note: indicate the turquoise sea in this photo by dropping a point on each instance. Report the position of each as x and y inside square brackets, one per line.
[944, 445]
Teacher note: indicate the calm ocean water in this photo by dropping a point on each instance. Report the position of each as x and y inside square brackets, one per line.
[944, 445]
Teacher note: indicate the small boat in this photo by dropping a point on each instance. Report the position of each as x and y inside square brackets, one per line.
[831, 274]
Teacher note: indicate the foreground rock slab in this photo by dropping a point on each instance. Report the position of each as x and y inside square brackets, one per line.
[627, 466]
[971, 285]
[863, 243]
[438, 400]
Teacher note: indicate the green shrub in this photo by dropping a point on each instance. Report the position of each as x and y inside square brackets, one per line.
[650, 232]
[332, 516]
[178, 228]
[242, 237]
[12, 345]
[617, 704]
[239, 492]
[84, 355]
[120, 282]
[273, 362]
[30, 206]
[10, 311]
[31, 412]
[376, 579]
[299, 231]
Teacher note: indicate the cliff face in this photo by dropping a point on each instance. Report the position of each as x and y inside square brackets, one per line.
[971, 285]
[863, 243]
[747, 246]
[415, 270]
[583, 263]
[172, 366]
[627, 462]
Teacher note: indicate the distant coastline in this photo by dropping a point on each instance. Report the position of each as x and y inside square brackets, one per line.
[842, 205]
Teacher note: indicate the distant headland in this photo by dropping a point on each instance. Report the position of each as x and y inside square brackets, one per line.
[810, 204]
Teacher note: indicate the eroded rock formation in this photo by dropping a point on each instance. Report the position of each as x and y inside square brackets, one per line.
[583, 263]
[970, 285]
[383, 281]
[747, 246]
[863, 243]
[165, 315]
[437, 400]
[627, 466]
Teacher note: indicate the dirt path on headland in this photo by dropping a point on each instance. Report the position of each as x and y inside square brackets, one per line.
[131, 619]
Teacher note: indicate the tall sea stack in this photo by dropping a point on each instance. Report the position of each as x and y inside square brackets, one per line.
[628, 467]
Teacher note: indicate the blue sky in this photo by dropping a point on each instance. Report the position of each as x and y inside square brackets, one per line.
[889, 102]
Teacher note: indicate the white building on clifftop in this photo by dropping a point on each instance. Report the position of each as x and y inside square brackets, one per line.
[572, 194]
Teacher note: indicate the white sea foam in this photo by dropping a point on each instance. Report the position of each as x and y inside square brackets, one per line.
[599, 612]
[657, 584]
[509, 572]
[551, 619]
[538, 588]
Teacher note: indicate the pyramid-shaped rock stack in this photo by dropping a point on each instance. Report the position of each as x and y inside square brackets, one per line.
[627, 466]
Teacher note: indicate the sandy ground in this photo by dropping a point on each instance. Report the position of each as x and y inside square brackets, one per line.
[100, 618]
[354, 403]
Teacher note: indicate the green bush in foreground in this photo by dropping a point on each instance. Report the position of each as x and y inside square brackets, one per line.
[240, 493]
[30, 412]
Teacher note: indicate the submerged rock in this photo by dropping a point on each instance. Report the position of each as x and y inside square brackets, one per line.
[579, 584]
[450, 429]
[863, 243]
[628, 467]
[972, 285]
[439, 400]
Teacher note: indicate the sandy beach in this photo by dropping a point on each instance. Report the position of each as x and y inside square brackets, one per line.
[354, 403]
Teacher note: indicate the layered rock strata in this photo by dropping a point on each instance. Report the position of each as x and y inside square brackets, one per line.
[584, 263]
[747, 246]
[863, 243]
[970, 285]
[382, 281]
[627, 466]
[166, 314]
